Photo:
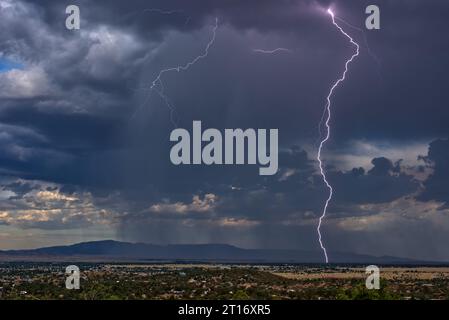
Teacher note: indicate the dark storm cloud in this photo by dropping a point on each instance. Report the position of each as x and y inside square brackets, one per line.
[437, 185]
[410, 93]
[65, 130]
[298, 195]
[85, 122]
[301, 194]
[107, 87]
[19, 188]
[295, 158]
[383, 167]
[142, 15]
[383, 183]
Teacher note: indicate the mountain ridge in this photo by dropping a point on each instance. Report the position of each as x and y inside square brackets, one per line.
[111, 250]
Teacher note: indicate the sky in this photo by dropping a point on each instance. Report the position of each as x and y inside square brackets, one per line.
[84, 139]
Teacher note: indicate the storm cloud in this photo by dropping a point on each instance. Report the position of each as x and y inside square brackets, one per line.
[85, 141]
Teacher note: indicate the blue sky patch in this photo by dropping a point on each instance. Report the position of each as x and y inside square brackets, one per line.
[7, 65]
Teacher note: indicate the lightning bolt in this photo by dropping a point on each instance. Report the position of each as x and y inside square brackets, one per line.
[368, 48]
[272, 51]
[328, 129]
[158, 86]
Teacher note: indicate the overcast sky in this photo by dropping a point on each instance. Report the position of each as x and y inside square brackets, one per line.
[84, 141]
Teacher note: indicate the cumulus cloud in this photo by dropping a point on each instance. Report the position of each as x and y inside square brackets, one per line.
[198, 205]
[43, 206]
[29, 83]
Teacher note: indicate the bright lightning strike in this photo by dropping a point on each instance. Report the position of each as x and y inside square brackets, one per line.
[328, 128]
[368, 48]
[272, 51]
[157, 84]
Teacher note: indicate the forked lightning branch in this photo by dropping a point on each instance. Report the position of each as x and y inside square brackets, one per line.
[328, 130]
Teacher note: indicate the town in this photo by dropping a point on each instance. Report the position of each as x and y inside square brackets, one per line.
[106, 281]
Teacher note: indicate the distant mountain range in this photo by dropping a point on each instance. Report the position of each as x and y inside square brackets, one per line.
[109, 250]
